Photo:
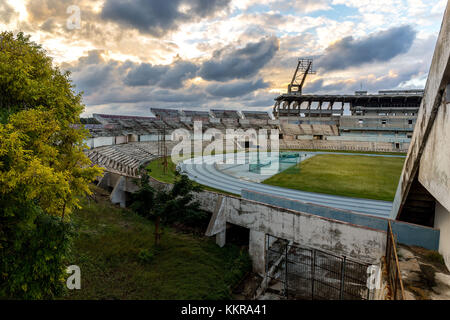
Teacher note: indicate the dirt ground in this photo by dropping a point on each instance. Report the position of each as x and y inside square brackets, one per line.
[424, 274]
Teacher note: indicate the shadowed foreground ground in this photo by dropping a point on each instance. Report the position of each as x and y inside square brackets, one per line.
[114, 251]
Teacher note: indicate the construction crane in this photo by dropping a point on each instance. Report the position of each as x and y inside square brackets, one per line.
[304, 67]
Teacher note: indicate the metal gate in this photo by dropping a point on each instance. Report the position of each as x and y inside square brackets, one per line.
[306, 273]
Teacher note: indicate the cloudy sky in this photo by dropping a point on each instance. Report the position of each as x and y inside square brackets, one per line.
[130, 55]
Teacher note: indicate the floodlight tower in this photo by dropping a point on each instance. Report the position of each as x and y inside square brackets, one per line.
[304, 67]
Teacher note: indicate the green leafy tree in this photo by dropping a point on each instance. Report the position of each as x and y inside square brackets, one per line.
[166, 207]
[43, 170]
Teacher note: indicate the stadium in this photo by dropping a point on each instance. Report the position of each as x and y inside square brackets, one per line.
[311, 189]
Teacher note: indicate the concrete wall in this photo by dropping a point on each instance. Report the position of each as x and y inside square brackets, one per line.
[306, 229]
[103, 141]
[391, 122]
[406, 233]
[342, 145]
[371, 138]
[442, 221]
[148, 137]
[428, 156]
[431, 108]
[434, 169]
[121, 139]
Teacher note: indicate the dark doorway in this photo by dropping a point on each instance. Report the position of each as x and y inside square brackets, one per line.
[237, 235]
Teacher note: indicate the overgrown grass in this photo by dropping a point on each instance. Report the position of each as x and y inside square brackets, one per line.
[346, 175]
[435, 257]
[157, 170]
[118, 260]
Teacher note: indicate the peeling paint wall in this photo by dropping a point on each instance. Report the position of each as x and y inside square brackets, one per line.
[429, 153]
[338, 237]
[434, 171]
[431, 106]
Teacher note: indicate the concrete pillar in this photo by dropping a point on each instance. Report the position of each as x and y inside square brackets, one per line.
[104, 181]
[221, 237]
[257, 251]
[442, 222]
[118, 193]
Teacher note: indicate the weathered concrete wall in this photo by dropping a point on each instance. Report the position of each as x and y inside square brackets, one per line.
[121, 186]
[289, 143]
[121, 139]
[429, 153]
[102, 141]
[434, 171]
[406, 233]
[431, 106]
[442, 221]
[306, 229]
[148, 137]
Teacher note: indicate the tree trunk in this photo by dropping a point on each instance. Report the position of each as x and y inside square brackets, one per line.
[157, 234]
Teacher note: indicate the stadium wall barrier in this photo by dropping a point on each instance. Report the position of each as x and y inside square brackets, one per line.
[406, 233]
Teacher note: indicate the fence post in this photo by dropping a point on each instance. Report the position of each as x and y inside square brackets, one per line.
[394, 276]
[313, 267]
[286, 271]
[267, 259]
[341, 294]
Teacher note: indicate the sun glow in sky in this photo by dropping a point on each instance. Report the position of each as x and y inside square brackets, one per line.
[128, 56]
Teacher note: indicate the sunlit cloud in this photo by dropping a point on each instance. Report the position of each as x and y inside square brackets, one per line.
[130, 55]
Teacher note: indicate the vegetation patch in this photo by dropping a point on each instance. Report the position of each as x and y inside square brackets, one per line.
[368, 177]
[118, 259]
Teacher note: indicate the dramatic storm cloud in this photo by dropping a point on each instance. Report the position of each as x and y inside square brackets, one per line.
[165, 76]
[377, 47]
[6, 12]
[230, 63]
[129, 55]
[235, 89]
[156, 17]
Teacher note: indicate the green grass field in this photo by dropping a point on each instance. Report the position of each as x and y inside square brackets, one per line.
[345, 175]
[109, 252]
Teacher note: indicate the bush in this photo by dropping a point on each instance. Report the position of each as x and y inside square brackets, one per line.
[146, 256]
[33, 262]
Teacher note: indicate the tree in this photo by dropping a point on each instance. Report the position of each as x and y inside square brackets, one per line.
[43, 170]
[165, 207]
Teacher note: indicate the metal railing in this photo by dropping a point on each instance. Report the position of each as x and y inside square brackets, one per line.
[393, 270]
[307, 273]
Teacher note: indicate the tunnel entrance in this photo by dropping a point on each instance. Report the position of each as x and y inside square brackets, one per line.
[238, 235]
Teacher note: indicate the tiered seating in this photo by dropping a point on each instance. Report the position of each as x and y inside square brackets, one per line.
[197, 115]
[120, 158]
[126, 159]
[291, 129]
[166, 113]
[225, 114]
[230, 123]
[261, 115]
